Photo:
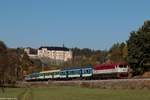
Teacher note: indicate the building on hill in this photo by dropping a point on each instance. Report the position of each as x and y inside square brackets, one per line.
[29, 50]
[55, 53]
[32, 53]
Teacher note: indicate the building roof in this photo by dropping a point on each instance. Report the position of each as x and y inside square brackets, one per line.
[55, 48]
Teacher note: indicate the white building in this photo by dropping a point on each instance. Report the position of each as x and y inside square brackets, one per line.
[27, 50]
[55, 53]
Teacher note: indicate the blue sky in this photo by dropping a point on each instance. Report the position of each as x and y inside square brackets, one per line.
[95, 24]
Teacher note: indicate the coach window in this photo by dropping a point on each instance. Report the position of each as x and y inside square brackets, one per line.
[86, 71]
[75, 72]
[71, 72]
[78, 71]
[89, 71]
[63, 73]
[55, 73]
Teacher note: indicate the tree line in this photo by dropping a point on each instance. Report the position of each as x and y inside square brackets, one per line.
[83, 57]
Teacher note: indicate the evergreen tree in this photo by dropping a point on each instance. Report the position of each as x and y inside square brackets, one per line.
[139, 48]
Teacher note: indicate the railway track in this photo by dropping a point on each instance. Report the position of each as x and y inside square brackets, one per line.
[103, 84]
[103, 80]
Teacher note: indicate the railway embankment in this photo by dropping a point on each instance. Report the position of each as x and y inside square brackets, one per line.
[102, 84]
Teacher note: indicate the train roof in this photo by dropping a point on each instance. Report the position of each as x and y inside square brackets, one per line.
[74, 68]
[71, 68]
[50, 71]
[33, 73]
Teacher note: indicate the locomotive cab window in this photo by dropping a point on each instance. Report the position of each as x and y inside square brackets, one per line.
[122, 66]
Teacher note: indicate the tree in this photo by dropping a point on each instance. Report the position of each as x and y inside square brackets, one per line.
[117, 52]
[12, 63]
[3, 63]
[86, 56]
[139, 48]
[25, 62]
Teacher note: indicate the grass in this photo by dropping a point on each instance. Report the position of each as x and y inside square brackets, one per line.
[75, 93]
[11, 92]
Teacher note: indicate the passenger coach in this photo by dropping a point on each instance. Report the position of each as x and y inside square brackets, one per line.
[76, 73]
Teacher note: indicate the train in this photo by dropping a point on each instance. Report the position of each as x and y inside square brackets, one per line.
[102, 71]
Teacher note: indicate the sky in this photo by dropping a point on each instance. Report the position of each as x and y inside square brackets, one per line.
[95, 24]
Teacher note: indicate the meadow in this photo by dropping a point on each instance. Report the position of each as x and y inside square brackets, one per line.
[74, 93]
